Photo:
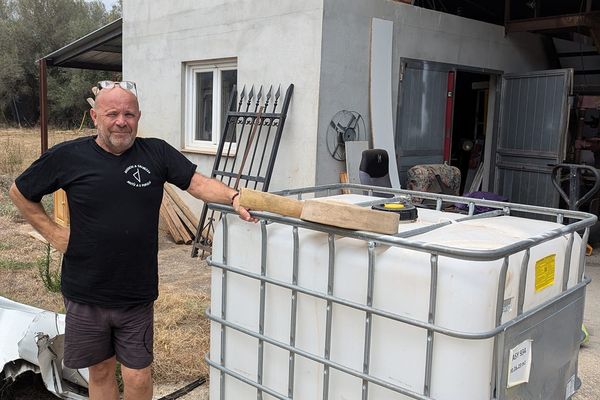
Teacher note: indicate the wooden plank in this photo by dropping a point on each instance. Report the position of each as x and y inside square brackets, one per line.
[186, 228]
[344, 179]
[190, 227]
[175, 233]
[172, 230]
[182, 205]
[328, 212]
[552, 22]
[61, 208]
[260, 201]
[350, 216]
[187, 239]
[380, 93]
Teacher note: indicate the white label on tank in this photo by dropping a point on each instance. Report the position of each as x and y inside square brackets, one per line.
[507, 305]
[570, 391]
[519, 364]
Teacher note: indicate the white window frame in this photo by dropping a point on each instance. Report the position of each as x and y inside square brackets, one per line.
[190, 120]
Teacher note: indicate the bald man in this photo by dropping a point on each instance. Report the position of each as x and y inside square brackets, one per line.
[109, 280]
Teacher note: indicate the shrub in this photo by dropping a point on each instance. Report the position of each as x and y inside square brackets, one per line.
[50, 277]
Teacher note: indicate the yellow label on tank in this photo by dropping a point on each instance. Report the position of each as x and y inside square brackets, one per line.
[544, 272]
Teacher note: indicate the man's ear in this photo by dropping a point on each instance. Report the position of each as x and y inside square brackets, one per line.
[93, 115]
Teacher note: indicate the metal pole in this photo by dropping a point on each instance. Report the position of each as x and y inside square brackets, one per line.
[43, 106]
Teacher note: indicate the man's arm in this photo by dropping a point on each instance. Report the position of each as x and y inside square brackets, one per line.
[34, 213]
[213, 191]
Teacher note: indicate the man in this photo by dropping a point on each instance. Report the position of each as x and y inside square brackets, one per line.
[114, 184]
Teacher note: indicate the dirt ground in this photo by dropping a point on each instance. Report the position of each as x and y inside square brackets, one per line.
[181, 330]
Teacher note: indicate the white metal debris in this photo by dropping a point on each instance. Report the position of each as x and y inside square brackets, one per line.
[32, 339]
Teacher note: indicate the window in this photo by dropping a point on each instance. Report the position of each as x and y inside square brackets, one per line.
[208, 86]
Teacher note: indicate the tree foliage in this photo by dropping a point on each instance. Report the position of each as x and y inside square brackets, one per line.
[31, 29]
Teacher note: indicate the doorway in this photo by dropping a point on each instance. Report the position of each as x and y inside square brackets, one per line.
[469, 122]
[445, 114]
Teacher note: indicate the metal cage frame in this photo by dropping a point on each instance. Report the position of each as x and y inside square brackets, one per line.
[505, 334]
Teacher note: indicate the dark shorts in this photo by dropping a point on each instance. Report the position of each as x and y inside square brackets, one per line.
[94, 334]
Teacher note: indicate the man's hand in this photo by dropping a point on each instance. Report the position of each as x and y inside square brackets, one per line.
[60, 239]
[243, 213]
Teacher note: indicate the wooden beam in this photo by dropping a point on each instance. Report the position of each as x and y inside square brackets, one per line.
[349, 216]
[182, 205]
[190, 227]
[175, 221]
[260, 201]
[552, 23]
[171, 227]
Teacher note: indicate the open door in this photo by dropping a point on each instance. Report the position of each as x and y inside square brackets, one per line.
[422, 129]
[532, 134]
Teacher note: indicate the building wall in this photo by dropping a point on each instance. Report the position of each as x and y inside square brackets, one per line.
[418, 34]
[273, 42]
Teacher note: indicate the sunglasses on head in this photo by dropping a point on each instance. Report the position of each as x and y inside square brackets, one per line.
[127, 85]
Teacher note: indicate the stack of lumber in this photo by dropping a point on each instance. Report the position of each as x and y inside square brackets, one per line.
[180, 220]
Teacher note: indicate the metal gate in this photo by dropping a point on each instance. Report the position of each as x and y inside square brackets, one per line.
[534, 112]
[247, 149]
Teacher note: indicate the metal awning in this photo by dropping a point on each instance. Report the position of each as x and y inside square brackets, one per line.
[99, 50]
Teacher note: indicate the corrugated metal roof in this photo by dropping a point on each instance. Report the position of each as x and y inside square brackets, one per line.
[99, 50]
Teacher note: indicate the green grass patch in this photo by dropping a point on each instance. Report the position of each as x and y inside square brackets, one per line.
[9, 263]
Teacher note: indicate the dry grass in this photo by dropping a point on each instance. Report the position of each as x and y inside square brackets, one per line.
[19, 278]
[181, 337]
[181, 330]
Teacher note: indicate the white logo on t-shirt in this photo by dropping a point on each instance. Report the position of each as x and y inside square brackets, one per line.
[140, 174]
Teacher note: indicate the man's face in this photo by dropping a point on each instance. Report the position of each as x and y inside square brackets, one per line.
[116, 115]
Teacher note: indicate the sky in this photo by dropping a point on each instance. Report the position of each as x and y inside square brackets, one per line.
[108, 4]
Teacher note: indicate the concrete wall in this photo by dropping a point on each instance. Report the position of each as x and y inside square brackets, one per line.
[322, 46]
[273, 42]
[418, 34]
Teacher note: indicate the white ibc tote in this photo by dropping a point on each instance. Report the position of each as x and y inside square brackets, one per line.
[313, 312]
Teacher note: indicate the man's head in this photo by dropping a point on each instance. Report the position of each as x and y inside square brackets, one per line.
[116, 114]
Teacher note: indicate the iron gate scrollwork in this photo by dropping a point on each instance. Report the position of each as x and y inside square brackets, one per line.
[247, 148]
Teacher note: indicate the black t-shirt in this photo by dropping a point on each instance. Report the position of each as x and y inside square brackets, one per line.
[114, 203]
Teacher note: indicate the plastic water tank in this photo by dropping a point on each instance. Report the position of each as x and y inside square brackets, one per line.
[466, 302]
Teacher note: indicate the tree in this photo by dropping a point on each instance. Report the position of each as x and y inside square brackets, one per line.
[31, 29]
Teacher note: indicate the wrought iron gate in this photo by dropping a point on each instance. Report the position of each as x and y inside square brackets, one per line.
[247, 148]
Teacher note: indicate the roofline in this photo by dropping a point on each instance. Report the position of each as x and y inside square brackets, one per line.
[97, 37]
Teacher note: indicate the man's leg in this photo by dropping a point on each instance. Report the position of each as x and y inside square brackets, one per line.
[138, 383]
[103, 383]
[133, 336]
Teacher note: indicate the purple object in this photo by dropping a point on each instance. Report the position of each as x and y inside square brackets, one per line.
[483, 196]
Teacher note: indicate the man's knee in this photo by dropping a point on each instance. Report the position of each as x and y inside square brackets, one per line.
[137, 379]
[103, 371]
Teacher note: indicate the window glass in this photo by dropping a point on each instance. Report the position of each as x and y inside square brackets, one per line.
[204, 105]
[228, 81]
